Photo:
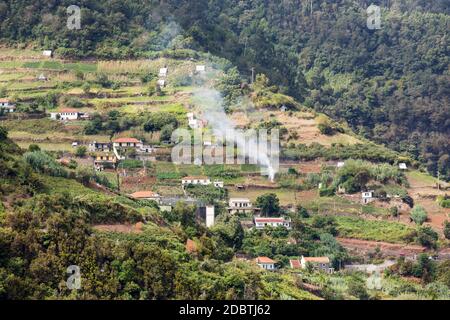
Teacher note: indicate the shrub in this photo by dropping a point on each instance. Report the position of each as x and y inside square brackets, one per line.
[427, 237]
[419, 215]
[81, 151]
[447, 229]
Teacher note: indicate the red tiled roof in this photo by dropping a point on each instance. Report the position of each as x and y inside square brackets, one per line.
[269, 220]
[3, 100]
[317, 259]
[295, 264]
[264, 260]
[126, 140]
[144, 194]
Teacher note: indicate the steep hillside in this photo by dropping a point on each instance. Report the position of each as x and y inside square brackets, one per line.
[388, 84]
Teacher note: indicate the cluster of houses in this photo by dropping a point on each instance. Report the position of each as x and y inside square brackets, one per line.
[108, 154]
[322, 264]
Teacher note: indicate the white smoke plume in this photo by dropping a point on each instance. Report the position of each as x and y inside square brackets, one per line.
[211, 103]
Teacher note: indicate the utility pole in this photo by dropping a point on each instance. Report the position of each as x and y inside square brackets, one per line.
[439, 182]
[311, 7]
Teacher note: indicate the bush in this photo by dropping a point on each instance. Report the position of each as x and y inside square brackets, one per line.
[419, 215]
[81, 151]
[269, 204]
[427, 237]
[42, 162]
[447, 230]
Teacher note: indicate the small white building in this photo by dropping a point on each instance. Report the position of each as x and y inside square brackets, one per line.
[161, 83]
[163, 72]
[402, 166]
[66, 114]
[196, 180]
[240, 205]
[261, 223]
[42, 77]
[265, 263]
[200, 69]
[7, 106]
[317, 263]
[218, 184]
[99, 146]
[367, 197]
[47, 53]
[340, 164]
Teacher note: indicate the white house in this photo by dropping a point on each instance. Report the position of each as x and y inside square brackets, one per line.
[127, 142]
[47, 53]
[161, 83]
[200, 69]
[66, 114]
[240, 205]
[99, 146]
[146, 195]
[261, 223]
[163, 72]
[403, 166]
[367, 197]
[42, 77]
[7, 106]
[196, 180]
[340, 164]
[318, 263]
[265, 263]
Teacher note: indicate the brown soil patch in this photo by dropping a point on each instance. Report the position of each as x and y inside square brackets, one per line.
[121, 228]
[388, 249]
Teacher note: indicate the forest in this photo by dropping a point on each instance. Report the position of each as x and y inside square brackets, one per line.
[390, 85]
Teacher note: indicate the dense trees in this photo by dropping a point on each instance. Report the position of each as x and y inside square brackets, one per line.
[388, 84]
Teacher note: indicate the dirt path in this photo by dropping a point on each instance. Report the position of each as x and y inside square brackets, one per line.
[388, 249]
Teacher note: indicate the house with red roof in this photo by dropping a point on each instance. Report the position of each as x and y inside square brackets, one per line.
[262, 222]
[265, 263]
[127, 142]
[146, 195]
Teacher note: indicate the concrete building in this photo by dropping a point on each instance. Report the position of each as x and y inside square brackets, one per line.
[367, 197]
[66, 114]
[317, 263]
[240, 205]
[195, 180]
[7, 106]
[95, 146]
[261, 223]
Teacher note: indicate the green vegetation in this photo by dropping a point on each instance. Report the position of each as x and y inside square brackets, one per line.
[358, 228]
[419, 215]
